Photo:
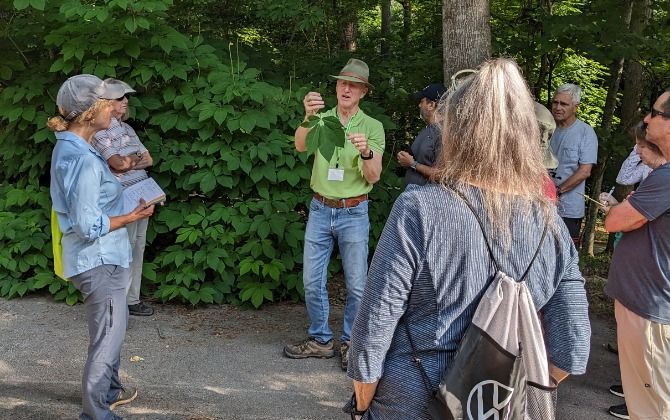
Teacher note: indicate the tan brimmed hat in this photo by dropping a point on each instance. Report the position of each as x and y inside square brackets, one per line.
[547, 126]
[355, 71]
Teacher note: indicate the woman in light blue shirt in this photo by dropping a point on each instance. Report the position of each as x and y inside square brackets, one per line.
[87, 200]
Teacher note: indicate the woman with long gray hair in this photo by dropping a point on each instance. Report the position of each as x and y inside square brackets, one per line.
[431, 265]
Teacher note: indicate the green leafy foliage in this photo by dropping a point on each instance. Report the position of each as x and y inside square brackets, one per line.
[325, 134]
[219, 93]
[219, 133]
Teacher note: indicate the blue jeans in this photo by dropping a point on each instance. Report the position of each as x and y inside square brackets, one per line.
[350, 228]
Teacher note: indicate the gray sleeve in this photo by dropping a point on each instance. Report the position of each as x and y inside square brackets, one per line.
[652, 198]
[588, 152]
[632, 170]
[394, 265]
[565, 318]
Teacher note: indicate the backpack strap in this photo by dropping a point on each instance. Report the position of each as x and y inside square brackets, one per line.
[488, 245]
[417, 360]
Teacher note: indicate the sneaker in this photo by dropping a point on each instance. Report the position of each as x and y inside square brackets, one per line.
[344, 354]
[125, 396]
[616, 390]
[309, 348]
[140, 309]
[619, 411]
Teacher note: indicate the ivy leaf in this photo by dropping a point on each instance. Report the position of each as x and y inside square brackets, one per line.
[21, 4]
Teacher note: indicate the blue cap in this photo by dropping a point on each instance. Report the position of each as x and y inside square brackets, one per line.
[432, 92]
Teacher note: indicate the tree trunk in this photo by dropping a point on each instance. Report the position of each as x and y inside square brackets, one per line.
[616, 68]
[547, 7]
[466, 35]
[632, 93]
[347, 18]
[406, 18]
[386, 28]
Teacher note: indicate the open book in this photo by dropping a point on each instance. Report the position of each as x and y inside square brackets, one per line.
[147, 189]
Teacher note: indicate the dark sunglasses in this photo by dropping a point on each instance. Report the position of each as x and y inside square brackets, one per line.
[654, 113]
[121, 98]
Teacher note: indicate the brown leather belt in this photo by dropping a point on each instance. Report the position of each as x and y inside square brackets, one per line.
[341, 202]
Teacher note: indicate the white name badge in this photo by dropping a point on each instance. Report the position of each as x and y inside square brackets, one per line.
[335, 174]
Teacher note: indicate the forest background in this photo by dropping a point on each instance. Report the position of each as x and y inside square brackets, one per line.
[219, 95]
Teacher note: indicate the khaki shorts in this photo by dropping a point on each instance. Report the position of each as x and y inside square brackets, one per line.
[644, 359]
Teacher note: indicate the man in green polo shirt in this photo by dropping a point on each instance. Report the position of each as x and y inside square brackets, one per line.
[339, 210]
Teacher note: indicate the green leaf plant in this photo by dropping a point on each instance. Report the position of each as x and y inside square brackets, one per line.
[325, 134]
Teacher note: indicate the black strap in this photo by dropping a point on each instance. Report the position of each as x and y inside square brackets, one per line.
[488, 245]
[415, 356]
[417, 360]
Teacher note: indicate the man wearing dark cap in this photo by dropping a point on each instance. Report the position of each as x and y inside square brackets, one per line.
[339, 210]
[426, 147]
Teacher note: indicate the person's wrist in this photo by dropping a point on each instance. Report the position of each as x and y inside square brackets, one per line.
[413, 165]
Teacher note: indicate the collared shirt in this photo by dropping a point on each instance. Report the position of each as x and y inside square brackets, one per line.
[120, 139]
[345, 158]
[425, 149]
[85, 195]
[573, 146]
[632, 171]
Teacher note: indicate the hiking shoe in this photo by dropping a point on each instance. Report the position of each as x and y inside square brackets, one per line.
[125, 396]
[140, 309]
[619, 411]
[617, 390]
[309, 348]
[344, 354]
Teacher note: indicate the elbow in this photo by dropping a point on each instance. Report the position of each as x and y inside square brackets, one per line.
[373, 178]
[300, 147]
[91, 231]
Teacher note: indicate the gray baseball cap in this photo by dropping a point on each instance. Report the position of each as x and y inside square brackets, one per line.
[126, 87]
[79, 93]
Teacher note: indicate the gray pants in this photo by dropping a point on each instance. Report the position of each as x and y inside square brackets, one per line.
[137, 232]
[104, 289]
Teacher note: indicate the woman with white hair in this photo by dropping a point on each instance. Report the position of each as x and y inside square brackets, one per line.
[431, 265]
[96, 252]
[128, 158]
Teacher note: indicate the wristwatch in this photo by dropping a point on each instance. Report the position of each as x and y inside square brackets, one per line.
[368, 157]
[413, 166]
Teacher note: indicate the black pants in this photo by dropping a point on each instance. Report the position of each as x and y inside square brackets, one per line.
[574, 227]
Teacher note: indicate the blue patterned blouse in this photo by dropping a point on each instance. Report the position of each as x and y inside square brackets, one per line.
[432, 246]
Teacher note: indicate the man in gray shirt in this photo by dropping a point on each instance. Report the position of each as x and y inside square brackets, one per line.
[575, 145]
[639, 280]
[426, 147]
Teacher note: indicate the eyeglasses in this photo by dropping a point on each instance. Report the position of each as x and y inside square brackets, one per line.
[121, 98]
[654, 113]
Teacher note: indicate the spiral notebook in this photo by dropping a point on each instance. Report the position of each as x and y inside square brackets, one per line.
[147, 189]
